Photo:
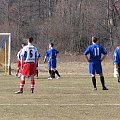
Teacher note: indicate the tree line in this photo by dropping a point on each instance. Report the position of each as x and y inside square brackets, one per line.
[69, 24]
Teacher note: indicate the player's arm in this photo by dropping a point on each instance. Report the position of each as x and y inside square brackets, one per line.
[50, 58]
[57, 51]
[45, 59]
[87, 51]
[104, 52]
[22, 57]
[87, 58]
[103, 57]
[22, 61]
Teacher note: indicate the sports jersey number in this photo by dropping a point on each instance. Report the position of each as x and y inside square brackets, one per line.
[96, 51]
[31, 53]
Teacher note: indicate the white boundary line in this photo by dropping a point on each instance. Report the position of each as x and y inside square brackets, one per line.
[59, 104]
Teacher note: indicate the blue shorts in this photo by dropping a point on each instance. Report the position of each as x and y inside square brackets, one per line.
[95, 67]
[52, 63]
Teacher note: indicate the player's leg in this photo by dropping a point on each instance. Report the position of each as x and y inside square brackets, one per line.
[37, 73]
[92, 72]
[119, 74]
[49, 70]
[22, 83]
[99, 71]
[53, 66]
[37, 69]
[56, 72]
[32, 82]
[32, 72]
[103, 82]
[52, 73]
[17, 72]
[94, 81]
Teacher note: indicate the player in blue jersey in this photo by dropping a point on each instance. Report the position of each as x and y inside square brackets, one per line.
[96, 51]
[117, 62]
[51, 56]
[46, 58]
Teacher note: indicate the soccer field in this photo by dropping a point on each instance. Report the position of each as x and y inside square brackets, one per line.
[68, 98]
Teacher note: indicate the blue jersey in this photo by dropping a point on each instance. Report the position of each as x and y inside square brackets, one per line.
[117, 55]
[53, 53]
[95, 51]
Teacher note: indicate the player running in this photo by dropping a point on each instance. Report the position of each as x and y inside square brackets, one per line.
[51, 56]
[117, 62]
[95, 59]
[19, 60]
[29, 57]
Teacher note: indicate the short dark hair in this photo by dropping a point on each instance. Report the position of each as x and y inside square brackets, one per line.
[94, 39]
[30, 39]
[51, 44]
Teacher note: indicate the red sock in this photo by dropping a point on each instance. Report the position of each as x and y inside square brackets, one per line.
[22, 82]
[32, 82]
[17, 71]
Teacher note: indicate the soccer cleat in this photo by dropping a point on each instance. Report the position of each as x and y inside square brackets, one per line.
[19, 76]
[94, 89]
[105, 88]
[58, 77]
[118, 80]
[19, 92]
[31, 91]
[50, 78]
[37, 77]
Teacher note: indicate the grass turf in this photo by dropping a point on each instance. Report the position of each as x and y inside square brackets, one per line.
[68, 98]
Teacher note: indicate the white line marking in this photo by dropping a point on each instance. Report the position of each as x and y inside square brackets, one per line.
[61, 87]
[59, 104]
[94, 94]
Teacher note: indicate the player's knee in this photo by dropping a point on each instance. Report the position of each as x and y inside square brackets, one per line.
[101, 74]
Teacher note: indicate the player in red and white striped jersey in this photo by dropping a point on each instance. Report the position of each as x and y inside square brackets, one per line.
[29, 57]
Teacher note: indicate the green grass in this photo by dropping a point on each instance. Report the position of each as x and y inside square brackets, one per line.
[69, 98]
